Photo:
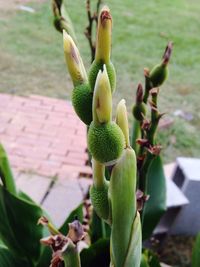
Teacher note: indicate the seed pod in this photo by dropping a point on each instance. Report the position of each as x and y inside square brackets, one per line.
[103, 50]
[105, 138]
[82, 102]
[99, 191]
[105, 142]
[81, 94]
[158, 75]
[98, 65]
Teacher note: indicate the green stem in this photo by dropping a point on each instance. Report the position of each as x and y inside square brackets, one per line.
[154, 120]
[98, 174]
[148, 87]
[71, 256]
[103, 229]
[143, 173]
[136, 133]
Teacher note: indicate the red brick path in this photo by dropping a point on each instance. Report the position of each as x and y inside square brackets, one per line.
[43, 135]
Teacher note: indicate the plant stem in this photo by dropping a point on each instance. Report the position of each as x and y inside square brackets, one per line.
[148, 86]
[89, 28]
[98, 174]
[150, 136]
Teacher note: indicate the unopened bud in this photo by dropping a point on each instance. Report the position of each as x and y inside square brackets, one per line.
[102, 99]
[160, 72]
[73, 60]
[103, 48]
[139, 93]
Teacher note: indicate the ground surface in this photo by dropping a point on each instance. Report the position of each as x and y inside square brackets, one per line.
[32, 57]
[43, 135]
[46, 146]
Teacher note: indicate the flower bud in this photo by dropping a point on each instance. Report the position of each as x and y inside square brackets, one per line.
[73, 60]
[139, 109]
[160, 72]
[62, 20]
[81, 94]
[122, 120]
[104, 31]
[102, 102]
[103, 49]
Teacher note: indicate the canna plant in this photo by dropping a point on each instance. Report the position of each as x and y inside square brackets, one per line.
[126, 170]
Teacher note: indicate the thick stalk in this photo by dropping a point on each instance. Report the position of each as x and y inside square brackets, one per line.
[136, 134]
[98, 174]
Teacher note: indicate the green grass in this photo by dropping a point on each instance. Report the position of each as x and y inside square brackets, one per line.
[32, 58]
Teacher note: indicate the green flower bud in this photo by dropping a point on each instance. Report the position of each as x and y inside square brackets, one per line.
[81, 94]
[158, 75]
[160, 72]
[105, 138]
[103, 50]
[62, 20]
[139, 109]
[122, 120]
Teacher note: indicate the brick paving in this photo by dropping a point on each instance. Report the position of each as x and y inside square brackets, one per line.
[43, 136]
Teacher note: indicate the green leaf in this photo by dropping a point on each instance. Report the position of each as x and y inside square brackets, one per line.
[149, 259]
[18, 228]
[156, 205]
[153, 260]
[134, 252]
[144, 261]
[7, 259]
[98, 228]
[78, 212]
[5, 172]
[196, 252]
[45, 258]
[98, 254]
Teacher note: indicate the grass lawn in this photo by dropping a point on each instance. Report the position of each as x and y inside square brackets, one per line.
[32, 59]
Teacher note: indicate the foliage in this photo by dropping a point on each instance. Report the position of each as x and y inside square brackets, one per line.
[196, 252]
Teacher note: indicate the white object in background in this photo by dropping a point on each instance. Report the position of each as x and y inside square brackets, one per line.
[27, 8]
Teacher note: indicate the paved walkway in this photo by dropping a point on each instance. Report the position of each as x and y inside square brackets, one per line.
[46, 145]
[43, 135]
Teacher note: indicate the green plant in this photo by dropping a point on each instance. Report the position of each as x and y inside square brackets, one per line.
[125, 216]
[196, 252]
[113, 194]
